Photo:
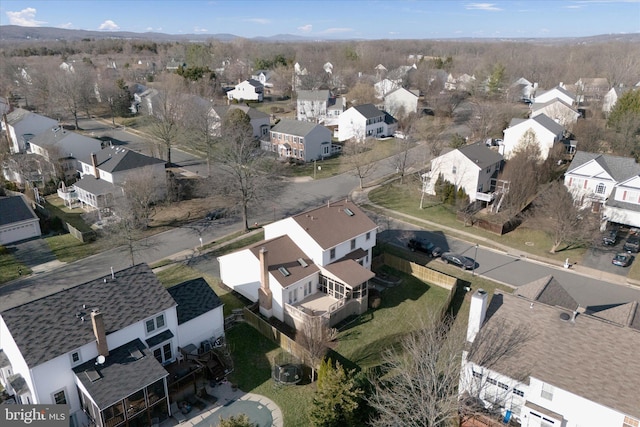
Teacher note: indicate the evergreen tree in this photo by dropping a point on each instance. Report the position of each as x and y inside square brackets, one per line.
[337, 397]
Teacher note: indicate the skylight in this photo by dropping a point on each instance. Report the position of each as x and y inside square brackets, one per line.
[348, 212]
[302, 262]
[284, 271]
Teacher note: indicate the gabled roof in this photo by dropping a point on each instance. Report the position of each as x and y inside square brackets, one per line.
[282, 252]
[117, 159]
[194, 298]
[399, 90]
[369, 111]
[127, 369]
[561, 90]
[548, 123]
[619, 168]
[296, 127]
[331, 224]
[349, 272]
[19, 114]
[613, 203]
[95, 186]
[222, 110]
[590, 357]
[547, 290]
[314, 95]
[481, 155]
[51, 326]
[68, 142]
[540, 105]
[15, 209]
[627, 314]
[253, 82]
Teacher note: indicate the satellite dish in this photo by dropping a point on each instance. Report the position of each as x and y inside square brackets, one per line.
[100, 360]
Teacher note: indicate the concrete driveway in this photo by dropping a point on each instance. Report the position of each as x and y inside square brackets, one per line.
[35, 254]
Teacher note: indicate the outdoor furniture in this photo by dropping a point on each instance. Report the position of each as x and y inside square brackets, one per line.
[177, 413]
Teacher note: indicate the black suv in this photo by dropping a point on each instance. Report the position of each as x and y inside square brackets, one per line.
[610, 237]
[425, 246]
[632, 244]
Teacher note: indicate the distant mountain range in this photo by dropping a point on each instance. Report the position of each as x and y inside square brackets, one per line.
[16, 33]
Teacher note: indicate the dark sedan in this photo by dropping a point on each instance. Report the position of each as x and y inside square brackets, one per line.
[622, 259]
[425, 246]
[458, 260]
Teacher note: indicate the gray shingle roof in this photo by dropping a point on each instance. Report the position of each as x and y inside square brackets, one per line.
[620, 168]
[122, 374]
[221, 111]
[17, 115]
[623, 314]
[48, 327]
[481, 155]
[539, 105]
[194, 298]
[549, 123]
[547, 290]
[15, 209]
[95, 186]
[117, 159]
[295, 127]
[330, 225]
[314, 95]
[349, 272]
[611, 201]
[369, 111]
[590, 357]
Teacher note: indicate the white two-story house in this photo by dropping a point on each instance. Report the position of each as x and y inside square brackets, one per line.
[298, 141]
[541, 130]
[557, 92]
[105, 172]
[248, 90]
[319, 106]
[317, 263]
[365, 121]
[401, 102]
[472, 168]
[558, 110]
[568, 367]
[104, 347]
[592, 178]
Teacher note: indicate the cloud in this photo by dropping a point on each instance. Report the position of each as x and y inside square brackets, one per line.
[109, 25]
[337, 30]
[394, 33]
[26, 18]
[200, 30]
[306, 28]
[573, 6]
[482, 6]
[261, 21]
[67, 26]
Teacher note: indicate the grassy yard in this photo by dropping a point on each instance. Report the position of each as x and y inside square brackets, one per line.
[406, 198]
[67, 248]
[10, 267]
[56, 207]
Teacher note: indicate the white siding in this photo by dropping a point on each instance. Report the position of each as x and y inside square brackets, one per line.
[203, 327]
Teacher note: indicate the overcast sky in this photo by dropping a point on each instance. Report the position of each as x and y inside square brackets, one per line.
[328, 19]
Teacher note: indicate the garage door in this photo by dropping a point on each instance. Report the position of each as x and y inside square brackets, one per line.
[20, 232]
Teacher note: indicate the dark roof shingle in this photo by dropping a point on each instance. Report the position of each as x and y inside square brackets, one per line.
[15, 209]
[194, 298]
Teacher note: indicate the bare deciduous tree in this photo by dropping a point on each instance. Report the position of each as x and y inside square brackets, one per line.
[315, 336]
[167, 114]
[359, 157]
[73, 89]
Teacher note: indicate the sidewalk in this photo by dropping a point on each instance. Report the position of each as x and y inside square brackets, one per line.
[362, 197]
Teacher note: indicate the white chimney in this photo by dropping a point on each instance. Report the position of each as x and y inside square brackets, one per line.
[477, 313]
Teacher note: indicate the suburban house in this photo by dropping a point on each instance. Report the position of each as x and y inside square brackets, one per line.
[401, 102]
[319, 106]
[592, 177]
[472, 168]
[259, 121]
[364, 121]
[105, 172]
[623, 204]
[385, 86]
[611, 98]
[62, 148]
[298, 141]
[316, 264]
[17, 221]
[463, 82]
[263, 76]
[540, 129]
[22, 125]
[111, 348]
[557, 92]
[522, 89]
[248, 90]
[558, 110]
[592, 88]
[561, 372]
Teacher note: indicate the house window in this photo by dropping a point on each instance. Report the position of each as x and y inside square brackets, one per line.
[518, 392]
[155, 323]
[309, 286]
[630, 422]
[353, 244]
[332, 253]
[547, 392]
[453, 170]
[75, 358]
[163, 354]
[600, 188]
[368, 235]
[60, 398]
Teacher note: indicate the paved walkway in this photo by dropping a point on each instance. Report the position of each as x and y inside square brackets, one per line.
[225, 394]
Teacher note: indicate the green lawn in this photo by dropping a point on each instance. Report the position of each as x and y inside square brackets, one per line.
[10, 267]
[406, 198]
[67, 248]
[56, 207]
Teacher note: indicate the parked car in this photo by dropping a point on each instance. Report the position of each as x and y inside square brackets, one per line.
[215, 214]
[458, 260]
[610, 237]
[422, 245]
[632, 244]
[622, 259]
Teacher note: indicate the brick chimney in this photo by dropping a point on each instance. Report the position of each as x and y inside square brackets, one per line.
[94, 162]
[265, 296]
[101, 335]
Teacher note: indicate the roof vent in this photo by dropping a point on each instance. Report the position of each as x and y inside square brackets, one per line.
[303, 263]
[348, 212]
[284, 271]
[564, 316]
